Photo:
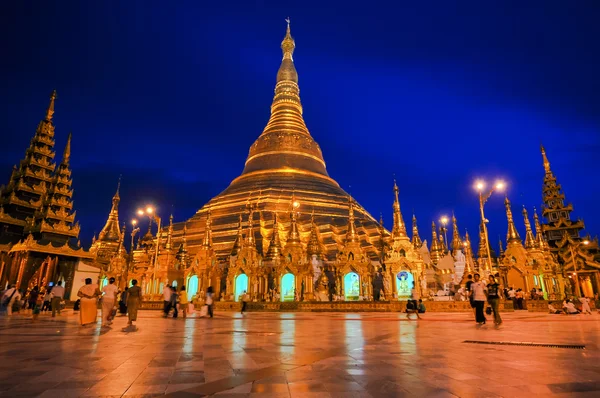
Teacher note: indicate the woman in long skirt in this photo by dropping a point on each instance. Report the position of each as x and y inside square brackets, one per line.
[134, 299]
[88, 295]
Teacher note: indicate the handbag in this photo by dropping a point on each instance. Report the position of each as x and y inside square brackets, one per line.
[488, 310]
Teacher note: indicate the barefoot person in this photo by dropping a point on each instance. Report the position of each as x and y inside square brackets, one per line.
[89, 302]
[134, 299]
[108, 301]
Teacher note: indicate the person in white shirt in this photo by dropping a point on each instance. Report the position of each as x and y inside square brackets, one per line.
[585, 305]
[9, 297]
[478, 291]
[108, 301]
[57, 296]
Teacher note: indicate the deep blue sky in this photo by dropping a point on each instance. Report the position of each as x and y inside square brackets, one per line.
[172, 94]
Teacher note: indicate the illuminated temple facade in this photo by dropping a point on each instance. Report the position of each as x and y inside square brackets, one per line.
[284, 230]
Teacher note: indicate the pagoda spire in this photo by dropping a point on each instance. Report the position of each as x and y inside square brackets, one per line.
[399, 229]
[207, 242]
[416, 239]
[351, 234]
[181, 255]
[111, 231]
[529, 238]
[457, 243]
[274, 250]
[512, 236]
[436, 250]
[239, 240]
[169, 243]
[500, 249]
[67, 152]
[50, 110]
[469, 262]
[250, 241]
[556, 211]
[540, 241]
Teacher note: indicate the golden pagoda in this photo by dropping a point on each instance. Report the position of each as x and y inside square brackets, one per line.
[283, 215]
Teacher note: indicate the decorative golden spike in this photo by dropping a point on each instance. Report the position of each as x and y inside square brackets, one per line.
[512, 236]
[169, 243]
[501, 252]
[351, 234]
[529, 239]
[399, 229]
[468, 253]
[457, 243]
[50, 111]
[314, 247]
[539, 234]
[274, 249]
[435, 244]
[416, 239]
[288, 44]
[250, 235]
[239, 240]
[545, 159]
[67, 152]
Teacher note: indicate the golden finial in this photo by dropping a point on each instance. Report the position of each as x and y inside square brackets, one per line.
[545, 158]
[512, 236]
[529, 238]
[117, 196]
[67, 152]
[50, 111]
[288, 44]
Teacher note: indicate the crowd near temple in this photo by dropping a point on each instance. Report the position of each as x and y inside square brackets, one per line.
[283, 231]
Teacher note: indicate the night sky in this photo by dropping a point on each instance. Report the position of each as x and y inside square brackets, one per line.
[172, 94]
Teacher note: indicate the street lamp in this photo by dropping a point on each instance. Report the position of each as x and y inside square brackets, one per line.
[483, 198]
[576, 277]
[151, 213]
[444, 221]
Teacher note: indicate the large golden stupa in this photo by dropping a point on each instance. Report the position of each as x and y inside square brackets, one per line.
[284, 166]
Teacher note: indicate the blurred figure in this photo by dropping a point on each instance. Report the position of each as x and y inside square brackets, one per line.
[134, 299]
[88, 295]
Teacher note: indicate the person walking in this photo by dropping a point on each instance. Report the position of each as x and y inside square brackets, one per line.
[108, 301]
[32, 299]
[244, 299]
[478, 291]
[47, 299]
[585, 305]
[468, 292]
[493, 296]
[174, 301]
[123, 301]
[88, 295]
[134, 299]
[57, 296]
[167, 292]
[183, 302]
[209, 300]
[10, 296]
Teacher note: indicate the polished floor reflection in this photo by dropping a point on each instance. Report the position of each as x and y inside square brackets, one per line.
[300, 355]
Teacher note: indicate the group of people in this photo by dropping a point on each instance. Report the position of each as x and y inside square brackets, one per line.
[479, 292]
[35, 300]
[178, 301]
[89, 294]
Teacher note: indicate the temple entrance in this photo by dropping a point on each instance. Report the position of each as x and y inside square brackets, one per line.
[241, 286]
[515, 279]
[404, 284]
[351, 286]
[192, 287]
[288, 288]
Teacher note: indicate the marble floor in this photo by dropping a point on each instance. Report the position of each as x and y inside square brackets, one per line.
[300, 355]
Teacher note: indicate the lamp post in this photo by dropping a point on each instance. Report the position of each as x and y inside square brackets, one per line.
[585, 242]
[134, 231]
[480, 186]
[444, 222]
[151, 213]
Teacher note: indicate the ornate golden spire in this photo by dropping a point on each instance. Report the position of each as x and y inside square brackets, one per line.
[539, 234]
[501, 250]
[529, 239]
[436, 250]
[457, 243]
[469, 262]
[250, 235]
[546, 162]
[169, 243]
[285, 143]
[111, 231]
[512, 236]
[239, 240]
[274, 250]
[67, 152]
[416, 239]
[351, 234]
[399, 229]
[50, 111]
[442, 241]
[207, 242]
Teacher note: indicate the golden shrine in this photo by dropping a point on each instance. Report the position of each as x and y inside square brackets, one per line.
[284, 230]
